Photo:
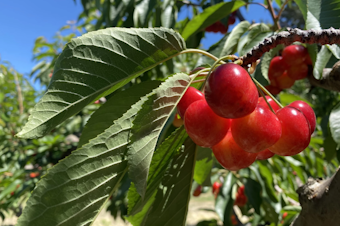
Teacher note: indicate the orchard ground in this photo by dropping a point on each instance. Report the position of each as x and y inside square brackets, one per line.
[198, 211]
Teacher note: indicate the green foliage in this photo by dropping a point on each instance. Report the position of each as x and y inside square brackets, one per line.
[128, 149]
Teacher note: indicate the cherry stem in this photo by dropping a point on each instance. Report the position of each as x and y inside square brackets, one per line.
[264, 97]
[267, 92]
[199, 51]
[272, 13]
[198, 81]
[281, 10]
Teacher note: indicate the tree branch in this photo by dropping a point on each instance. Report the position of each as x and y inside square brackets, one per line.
[327, 36]
[330, 79]
[272, 13]
[320, 202]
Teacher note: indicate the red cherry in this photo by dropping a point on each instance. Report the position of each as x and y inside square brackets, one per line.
[231, 156]
[284, 215]
[283, 81]
[241, 198]
[298, 72]
[273, 90]
[233, 220]
[216, 188]
[230, 92]
[294, 54]
[177, 121]
[307, 111]
[34, 174]
[203, 126]
[189, 97]
[308, 60]
[231, 19]
[272, 103]
[257, 131]
[295, 132]
[198, 191]
[265, 154]
[277, 67]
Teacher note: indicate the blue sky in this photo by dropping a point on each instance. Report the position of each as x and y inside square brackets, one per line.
[22, 21]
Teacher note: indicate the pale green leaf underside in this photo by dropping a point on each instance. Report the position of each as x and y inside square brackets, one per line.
[113, 108]
[159, 164]
[73, 191]
[148, 126]
[95, 65]
[209, 16]
[172, 199]
[334, 123]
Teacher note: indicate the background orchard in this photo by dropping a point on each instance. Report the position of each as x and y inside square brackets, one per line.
[102, 131]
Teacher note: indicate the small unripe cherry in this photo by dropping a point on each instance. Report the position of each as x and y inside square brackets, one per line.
[307, 111]
[230, 92]
[231, 156]
[272, 103]
[294, 54]
[265, 154]
[203, 126]
[216, 188]
[197, 191]
[190, 96]
[295, 132]
[257, 131]
[178, 121]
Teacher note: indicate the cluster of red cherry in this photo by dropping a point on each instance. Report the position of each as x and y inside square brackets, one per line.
[220, 27]
[240, 127]
[286, 69]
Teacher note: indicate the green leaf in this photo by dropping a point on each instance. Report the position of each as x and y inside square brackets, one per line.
[231, 44]
[160, 161]
[334, 123]
[288, 98]
[204, 163]
[327, 13]
[302, 4]
[255, 41]
[113, 109]
[224, 201]
[148, 126]
[253, 192]
[259, 76]
[330, 147]
[335, 49]
[95, 65]
[75, 189]
[209, 16]
[173, 195]
[267, 177]
[142, 12]
[321, 61]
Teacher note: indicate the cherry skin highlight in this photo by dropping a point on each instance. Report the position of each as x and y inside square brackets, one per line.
[203, 126]
[307, 111]
[294, 54]
[231, 156]
[257, 131]
[190, 96]
[295, 132]
[265, 154]
[230, 92]
[272, 103]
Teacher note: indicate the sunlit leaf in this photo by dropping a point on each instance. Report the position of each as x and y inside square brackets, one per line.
[148, 126]
[95, 65]
[334, 123]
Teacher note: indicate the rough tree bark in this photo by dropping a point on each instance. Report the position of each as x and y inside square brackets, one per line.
[320, 202]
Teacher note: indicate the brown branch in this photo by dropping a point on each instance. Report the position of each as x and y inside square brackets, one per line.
[327, 36]
[277, 25]
[281, 10]
[330, 79]
[320, 202]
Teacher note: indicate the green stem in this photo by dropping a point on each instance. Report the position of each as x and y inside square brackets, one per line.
[267, 92]
[264, 97]
[199, 51]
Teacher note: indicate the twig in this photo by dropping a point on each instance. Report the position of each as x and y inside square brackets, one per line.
[272, 13]
[281, 10]
[327, 36]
